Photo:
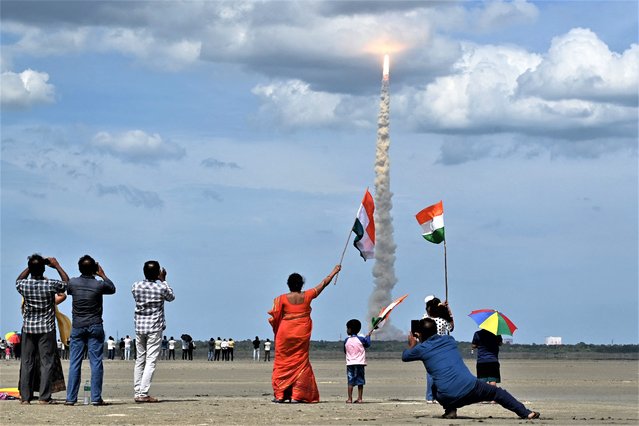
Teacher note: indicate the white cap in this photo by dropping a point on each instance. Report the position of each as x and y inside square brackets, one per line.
[429, 298]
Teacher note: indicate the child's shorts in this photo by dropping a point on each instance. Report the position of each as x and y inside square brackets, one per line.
[355, 375]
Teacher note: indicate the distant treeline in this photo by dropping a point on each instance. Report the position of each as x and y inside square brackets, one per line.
[392, 349]
[323, 349]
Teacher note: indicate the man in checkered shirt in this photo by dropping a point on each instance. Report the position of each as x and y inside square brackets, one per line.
[38, 328]
[149, 296]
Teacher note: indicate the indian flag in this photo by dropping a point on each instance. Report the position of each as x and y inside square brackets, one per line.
[431, 219]
[364, 228]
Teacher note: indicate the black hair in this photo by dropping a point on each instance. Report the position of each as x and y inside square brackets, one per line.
[87, 265]
[431, 305]
[151, 270]
[441, 311]
[353, 326]
[36, 265]
[428, 328]
[295, 282]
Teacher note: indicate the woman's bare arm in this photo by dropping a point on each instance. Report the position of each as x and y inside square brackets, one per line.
[326, 281]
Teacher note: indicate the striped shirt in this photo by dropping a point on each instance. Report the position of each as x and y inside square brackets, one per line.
[38, 311]
[149, 299]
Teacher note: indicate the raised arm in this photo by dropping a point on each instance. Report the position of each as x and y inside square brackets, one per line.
[54, 264]
[450, 314]
[23, 274]
[326, 281]
[109, 287]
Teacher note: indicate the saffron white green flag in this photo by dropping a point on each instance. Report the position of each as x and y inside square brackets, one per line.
[364, 228]
[431, 219]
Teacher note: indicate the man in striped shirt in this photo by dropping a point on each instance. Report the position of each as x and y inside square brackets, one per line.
[149, 296]
[38, 329]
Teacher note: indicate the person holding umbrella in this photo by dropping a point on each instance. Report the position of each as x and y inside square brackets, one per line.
[487, 340]
[487, 345]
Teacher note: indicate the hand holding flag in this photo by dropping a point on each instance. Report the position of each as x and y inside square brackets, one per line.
[378, 322]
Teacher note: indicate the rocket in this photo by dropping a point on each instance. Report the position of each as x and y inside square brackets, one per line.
[386, 69]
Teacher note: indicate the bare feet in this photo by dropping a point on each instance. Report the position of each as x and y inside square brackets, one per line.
[358, 401]
[533, 415]
[349, 401]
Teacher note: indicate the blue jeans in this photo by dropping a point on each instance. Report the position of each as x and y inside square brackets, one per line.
[93, 338]
[485, 392]
[429, 387]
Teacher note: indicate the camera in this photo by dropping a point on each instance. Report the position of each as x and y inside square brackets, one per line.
[47, 261]
[415, 326]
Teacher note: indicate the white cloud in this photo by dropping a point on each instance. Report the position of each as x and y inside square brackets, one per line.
[294, 104]
[497, 89]
[137, 146]
[25, 89]
[142, 44]
[580, 66]
[499, 14]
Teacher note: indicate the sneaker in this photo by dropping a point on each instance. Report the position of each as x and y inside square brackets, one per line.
[143, 399]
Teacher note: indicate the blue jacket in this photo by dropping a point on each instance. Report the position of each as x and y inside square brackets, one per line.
[443, 362]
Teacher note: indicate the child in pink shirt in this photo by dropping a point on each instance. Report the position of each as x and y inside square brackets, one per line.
[355, 350]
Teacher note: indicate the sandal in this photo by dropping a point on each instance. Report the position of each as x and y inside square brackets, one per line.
[533, 415]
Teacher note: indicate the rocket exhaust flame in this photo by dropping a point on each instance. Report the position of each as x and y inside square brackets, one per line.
[384, 267]
[386, 68]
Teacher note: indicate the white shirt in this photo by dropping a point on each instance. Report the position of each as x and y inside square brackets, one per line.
[110, 344]
[267, 346]
[127, 342]
[172, 344]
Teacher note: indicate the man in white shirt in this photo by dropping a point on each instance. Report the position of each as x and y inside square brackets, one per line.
[172, 343]
[127, 347]
[111, 348]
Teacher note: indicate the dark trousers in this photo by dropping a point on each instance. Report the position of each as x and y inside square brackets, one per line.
[216, 355]
[33, 344]
[485, 392]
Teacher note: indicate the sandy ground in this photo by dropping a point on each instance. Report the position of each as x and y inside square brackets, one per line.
[203, 393]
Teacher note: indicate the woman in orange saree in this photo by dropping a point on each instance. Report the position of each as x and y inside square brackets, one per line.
[293, 379]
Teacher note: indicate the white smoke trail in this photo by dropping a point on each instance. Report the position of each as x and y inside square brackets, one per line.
[384, 268]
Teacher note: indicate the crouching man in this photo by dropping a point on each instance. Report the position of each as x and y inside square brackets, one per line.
[454, 386]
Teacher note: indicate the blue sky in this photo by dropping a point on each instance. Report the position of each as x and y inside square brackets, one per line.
[233, 141]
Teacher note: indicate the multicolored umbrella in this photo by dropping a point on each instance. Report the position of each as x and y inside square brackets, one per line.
[12, 337]
[378, 322]
[493, 321]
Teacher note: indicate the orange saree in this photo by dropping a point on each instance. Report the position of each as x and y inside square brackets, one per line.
[293, 376]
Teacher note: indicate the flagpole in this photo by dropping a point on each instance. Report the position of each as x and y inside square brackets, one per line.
[341, 259]
[445, 270]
